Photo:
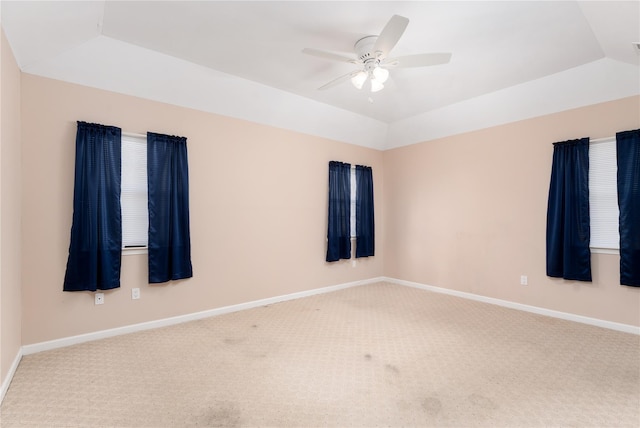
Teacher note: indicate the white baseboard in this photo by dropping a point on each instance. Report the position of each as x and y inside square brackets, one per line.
[74, 340]
[12, 370]
[626, 328]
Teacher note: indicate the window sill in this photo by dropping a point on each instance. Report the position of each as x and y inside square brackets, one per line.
[605, 251]
[132, 251]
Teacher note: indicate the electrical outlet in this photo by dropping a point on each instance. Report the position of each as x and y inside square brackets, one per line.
[99, 298]
[135, 293]
[353, 263]
[524, 280]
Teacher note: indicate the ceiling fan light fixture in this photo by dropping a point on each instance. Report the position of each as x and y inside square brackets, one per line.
[376, 85]
[358, 79]
[381, 74]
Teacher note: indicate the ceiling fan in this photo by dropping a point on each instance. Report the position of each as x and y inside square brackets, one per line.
[372, 57]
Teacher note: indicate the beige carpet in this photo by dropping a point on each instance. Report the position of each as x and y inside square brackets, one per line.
[375, 355]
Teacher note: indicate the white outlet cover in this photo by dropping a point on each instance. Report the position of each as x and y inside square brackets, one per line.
[99, 298]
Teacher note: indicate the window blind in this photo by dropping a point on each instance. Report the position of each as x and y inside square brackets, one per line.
[352, 218]
[133, 195]
[603, 196]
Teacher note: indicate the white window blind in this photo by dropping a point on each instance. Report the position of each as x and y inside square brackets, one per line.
[133, 194]
[603, 194]
[352, 220]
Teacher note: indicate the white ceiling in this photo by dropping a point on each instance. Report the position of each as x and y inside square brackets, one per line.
[511, 60]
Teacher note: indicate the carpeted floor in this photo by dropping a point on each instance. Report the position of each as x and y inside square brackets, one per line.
[368, 356]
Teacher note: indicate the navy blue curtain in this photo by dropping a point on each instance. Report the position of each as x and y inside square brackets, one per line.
[96, 231]
[168, 185]
[568, 228]
[338, 231]
[365, 233]
[628, 153]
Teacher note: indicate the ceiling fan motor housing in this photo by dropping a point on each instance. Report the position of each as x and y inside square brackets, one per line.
[364, 51]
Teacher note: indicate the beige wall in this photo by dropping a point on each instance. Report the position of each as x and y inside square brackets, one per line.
[10, 210]
[258, 211]
[465, 212]
[468, 213]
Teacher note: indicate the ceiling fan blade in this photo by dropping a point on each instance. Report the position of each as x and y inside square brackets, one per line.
[339, 80]
[419, 60]
[390, 35]
[328, 55]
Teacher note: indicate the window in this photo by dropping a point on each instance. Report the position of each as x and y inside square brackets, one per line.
[350, 191]
[133, 196]
[352, 219]
[603, 194]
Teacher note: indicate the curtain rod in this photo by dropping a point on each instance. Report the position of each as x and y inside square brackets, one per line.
[599, 140]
